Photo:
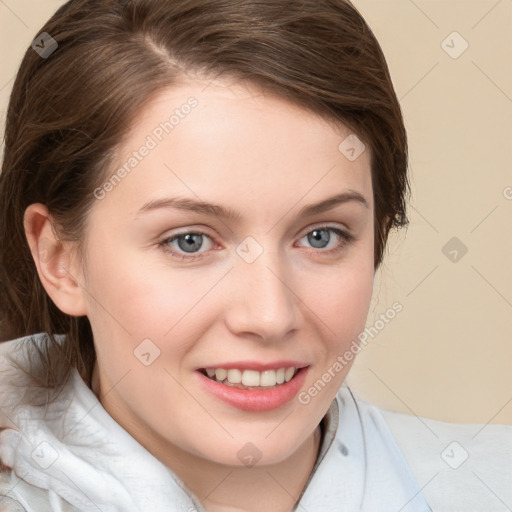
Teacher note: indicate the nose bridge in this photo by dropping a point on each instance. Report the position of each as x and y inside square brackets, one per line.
[264, 301]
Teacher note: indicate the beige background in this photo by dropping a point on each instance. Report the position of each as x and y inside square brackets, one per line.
[447, 354]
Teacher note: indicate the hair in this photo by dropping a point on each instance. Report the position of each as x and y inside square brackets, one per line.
[69, 112]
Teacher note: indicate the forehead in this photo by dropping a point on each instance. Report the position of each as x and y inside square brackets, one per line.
[226, 142]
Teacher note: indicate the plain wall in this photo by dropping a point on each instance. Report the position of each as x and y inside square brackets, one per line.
[447, 354]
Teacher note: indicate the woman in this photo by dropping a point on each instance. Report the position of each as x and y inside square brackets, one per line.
[195, 198]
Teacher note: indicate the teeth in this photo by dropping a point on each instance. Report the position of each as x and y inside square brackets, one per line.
[234, 376]
[220, 374]
[288, 374]
[252, 378]
[268, 378]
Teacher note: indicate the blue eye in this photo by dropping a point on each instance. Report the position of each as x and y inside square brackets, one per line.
[317, 236]
[190, 241]
[187, 242]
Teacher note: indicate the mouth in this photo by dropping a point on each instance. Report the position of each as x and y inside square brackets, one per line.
[252, 390]
[251, 379]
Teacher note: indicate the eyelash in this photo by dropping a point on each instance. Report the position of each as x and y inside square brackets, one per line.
[346, 239]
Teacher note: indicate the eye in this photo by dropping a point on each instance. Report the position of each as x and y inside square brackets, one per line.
[320, 238]
[188, 243]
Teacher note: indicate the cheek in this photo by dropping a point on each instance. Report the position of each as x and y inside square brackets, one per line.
[339, 316]
[132, 294]
[132, 301]
[341, 307]
[340, 296]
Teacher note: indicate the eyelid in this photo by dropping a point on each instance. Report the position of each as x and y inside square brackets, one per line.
[320, 225]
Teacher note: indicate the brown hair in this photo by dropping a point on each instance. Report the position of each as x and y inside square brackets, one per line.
[68, 112]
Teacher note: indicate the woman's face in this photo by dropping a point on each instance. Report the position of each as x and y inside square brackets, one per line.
[275, 285]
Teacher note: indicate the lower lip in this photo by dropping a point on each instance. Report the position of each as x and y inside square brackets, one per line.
[252, 399]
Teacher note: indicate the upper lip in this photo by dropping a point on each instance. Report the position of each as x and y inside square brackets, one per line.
[255, 365]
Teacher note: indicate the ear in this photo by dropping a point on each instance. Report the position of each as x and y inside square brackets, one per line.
[58, 270]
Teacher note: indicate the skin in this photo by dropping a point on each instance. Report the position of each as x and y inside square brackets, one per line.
[265, 158]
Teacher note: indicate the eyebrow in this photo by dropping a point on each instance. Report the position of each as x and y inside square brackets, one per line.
[217, 210]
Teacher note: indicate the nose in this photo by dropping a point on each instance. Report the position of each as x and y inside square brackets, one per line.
[263, 298]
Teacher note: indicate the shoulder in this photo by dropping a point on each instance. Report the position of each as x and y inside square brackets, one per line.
[17, 364]
[16, 495]
[12, 354]
[12, 346]
[26, 353]
[459, 466]
[20, 349]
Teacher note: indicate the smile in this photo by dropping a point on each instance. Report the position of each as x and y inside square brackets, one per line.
[255, 391]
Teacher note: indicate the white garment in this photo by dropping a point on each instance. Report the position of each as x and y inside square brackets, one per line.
[78, 458]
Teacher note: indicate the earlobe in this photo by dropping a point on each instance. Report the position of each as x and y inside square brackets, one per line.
[54, 261]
